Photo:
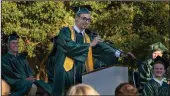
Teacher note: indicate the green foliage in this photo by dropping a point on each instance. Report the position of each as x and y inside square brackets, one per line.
[35, 22]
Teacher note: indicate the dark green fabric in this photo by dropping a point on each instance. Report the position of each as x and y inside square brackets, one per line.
[78, 52]
[145, 72]
[153, 88]
[14, 71]
[98, 64]
[51, 64]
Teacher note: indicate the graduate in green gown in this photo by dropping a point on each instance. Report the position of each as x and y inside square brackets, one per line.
[146, 66]
[157, 86]
[17, 73]
[51, 62]
[76, 49]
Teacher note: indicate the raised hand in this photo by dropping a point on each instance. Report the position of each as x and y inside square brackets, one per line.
[95, 41]
[131, 55]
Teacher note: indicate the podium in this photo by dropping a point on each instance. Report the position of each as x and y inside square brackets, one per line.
[105, 80]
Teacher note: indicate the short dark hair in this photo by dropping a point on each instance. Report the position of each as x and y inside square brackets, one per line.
[123, 90]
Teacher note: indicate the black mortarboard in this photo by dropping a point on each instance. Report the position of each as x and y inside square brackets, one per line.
[162, 60]
[82, 9]
[13, 36]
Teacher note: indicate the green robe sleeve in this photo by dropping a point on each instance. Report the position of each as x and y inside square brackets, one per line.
[10, 73]
[153, 88]
[101, 51]
[145, 72]
[9, 70]
[14, 71]
[164, 90]
[50, 68]
[105, 53]
[72, 49]
[98, 64]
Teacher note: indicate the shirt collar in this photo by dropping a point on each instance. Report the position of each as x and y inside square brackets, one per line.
[159, 81]
[77, 30]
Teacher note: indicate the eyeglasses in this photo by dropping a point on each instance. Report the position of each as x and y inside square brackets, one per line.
[86, 19]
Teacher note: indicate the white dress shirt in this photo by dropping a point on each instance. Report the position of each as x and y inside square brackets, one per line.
[78, 30]
[159, 81]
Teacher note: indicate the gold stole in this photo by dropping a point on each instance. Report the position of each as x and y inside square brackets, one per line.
[68, 63]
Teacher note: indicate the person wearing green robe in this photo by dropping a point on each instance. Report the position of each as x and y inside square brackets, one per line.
[51, 62]
[78, 50]
[17, 73]
[146, 66]
[157, 86]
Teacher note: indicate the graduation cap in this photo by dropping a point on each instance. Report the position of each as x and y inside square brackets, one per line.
[13, 36]
[162, 60]
[83, 9]
[158, 46]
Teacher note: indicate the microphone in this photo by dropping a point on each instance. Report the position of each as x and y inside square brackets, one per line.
[93, 33]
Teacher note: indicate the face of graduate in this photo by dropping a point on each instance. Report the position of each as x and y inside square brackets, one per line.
[156, 53]
[158, 70]
[13, 46]
[83, 21]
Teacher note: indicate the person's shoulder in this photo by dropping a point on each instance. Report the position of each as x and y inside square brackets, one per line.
[64, 28]
[65, 31]
[6, 56]
[150, 82]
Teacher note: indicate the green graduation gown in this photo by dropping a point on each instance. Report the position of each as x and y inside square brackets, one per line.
[78, 51]
[14, 71]
[51, 64]
[145, 72]
[153, 88]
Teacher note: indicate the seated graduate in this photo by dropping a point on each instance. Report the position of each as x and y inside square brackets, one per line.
[76, 49]
[17, 73]
[157, 86]
[145, 70]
